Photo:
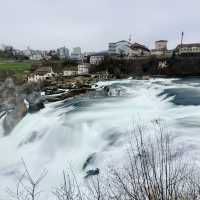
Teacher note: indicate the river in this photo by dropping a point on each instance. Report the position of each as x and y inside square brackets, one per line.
[97, 128]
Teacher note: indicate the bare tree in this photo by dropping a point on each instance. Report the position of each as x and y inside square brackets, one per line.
[69, 189]
[27, 187]
[155, 170]
[96, 189]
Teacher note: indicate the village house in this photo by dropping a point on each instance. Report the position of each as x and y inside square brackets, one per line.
[76, 54]
[83, 69]
[188, 49]
[63, 53]
[138, 50]
[41, 74]
[161, 48]
[97, 58]
[70, 71]
[119, 48]
[36, 57]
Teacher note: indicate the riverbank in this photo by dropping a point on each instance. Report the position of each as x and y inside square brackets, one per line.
[18, 100]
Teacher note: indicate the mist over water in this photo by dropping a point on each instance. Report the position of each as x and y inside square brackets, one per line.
[96, 128]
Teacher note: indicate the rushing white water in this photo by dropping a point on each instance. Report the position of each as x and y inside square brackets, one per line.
[67, 133]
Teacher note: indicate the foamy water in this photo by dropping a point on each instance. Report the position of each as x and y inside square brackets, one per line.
[67, 133]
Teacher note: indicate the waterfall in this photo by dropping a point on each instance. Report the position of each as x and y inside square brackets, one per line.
[93, 132]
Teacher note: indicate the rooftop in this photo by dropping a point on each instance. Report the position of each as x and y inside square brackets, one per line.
[121, 41]
[102, 53]
[188, 45]
[139, 46]
[70, 68]
[43, 70]
[162, 41]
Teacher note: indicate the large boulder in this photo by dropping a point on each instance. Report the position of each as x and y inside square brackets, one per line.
[34, 107]
[92, 172]
[12, 102]
[35, 102]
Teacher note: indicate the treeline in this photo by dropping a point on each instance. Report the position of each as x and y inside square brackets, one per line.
[57, 66]
[8, 55]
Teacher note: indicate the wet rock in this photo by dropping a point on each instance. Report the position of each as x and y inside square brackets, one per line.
[2, 114]
[12, 102]
[35, 101]
[106, 90]
[89, 160]
[92, 172]
[35, 107]
[34, 137]
[13, 117]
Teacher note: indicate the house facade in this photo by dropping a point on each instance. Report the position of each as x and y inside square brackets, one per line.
[188, 49]
[83, 69]
[76, 54]
[119, 48]
[98, 58]
[63, 53]
[70, 71]
[161, 44]
[36, 56]
[138, 50]
[41, 74]
[160, 48]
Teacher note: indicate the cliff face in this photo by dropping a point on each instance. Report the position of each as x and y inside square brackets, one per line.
[182, 66]
[174, 66]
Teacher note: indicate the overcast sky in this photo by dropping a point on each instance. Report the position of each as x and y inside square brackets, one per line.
[91, 24]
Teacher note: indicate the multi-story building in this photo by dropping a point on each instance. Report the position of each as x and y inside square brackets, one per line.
[63, 53]
[86, 56]
[97, 58]
[36, 56]
[119, 48]
[28, 52]
[41, 74]
[83, 69]
[161, 44]
[161, 48]
[188, 49]
[70, 71]
[138, 50]
[76, 54]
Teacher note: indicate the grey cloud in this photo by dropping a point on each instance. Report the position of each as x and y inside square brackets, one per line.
[91, 24]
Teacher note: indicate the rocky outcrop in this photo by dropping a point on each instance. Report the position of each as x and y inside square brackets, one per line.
[35, 101]
[12, 102]
[92, 172]
[90, 160]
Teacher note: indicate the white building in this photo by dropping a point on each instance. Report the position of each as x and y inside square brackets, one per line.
[98, 58]
[70, 71]
[119, 48]
[160, 48]
[63, 53]
[138, 50]
[188, 49]
[76, 54]
[83, 69]
[41, 74]
[85, 55]
[36, 57]
[161, 44]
